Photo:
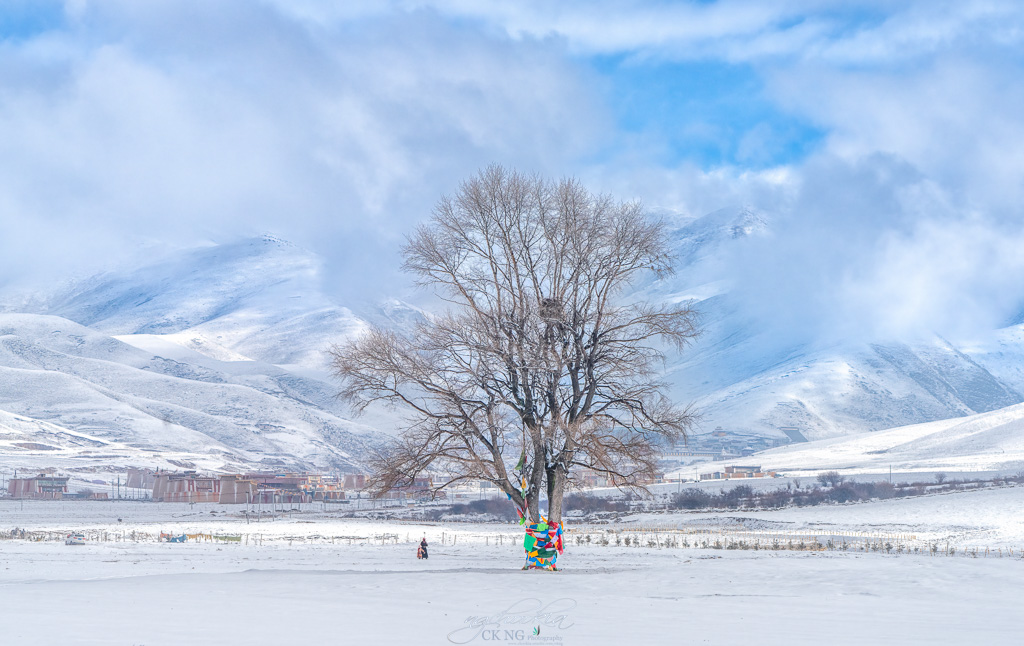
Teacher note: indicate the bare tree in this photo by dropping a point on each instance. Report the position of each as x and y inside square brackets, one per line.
[830, 478]
[538, 367]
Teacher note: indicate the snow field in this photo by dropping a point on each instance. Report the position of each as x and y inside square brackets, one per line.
[317, 578]
[380, 594]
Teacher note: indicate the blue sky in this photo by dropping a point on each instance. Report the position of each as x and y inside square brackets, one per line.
[23, 19]
[707, 112]
[883, 139]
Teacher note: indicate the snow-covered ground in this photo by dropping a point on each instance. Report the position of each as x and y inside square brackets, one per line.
[992, 441]
[312, 577]
[986, 518]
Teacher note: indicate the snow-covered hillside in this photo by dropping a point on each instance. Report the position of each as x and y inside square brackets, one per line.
[220, 350]
[837, 391]
[217, 352]
[155, 396]
[259, 298]
[743, 379]
[32, 445]
[992, 441]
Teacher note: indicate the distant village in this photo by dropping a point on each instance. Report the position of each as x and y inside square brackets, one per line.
[192, 487]
[249, 488]
[720, 445]
[291, 488]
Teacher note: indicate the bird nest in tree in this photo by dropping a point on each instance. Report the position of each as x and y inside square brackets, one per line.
[551, 309]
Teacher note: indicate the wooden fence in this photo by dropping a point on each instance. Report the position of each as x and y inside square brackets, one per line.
[623, 537]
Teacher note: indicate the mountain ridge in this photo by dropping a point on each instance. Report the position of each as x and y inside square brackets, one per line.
[226, 344]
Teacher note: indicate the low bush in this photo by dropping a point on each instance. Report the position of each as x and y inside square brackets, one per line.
[588, 504]
[498, 508]
[691, 499]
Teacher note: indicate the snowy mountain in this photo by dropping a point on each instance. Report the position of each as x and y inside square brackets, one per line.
[218, 352]
[259, 298]
[837, 391]
[743, 379]
[155, 395]
[992, 441]
[703, 237]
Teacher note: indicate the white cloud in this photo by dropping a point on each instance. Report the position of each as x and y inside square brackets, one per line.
[175, 121]
[339, 124]
[865, 31]
[956, 278]
[956, 119]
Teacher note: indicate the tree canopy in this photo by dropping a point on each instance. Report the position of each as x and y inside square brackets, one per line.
[539, 366]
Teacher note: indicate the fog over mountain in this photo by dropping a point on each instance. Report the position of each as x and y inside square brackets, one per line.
[746, 373]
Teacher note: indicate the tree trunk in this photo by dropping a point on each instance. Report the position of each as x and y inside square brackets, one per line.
[536, 481]
[533, 505]
[556, 491]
